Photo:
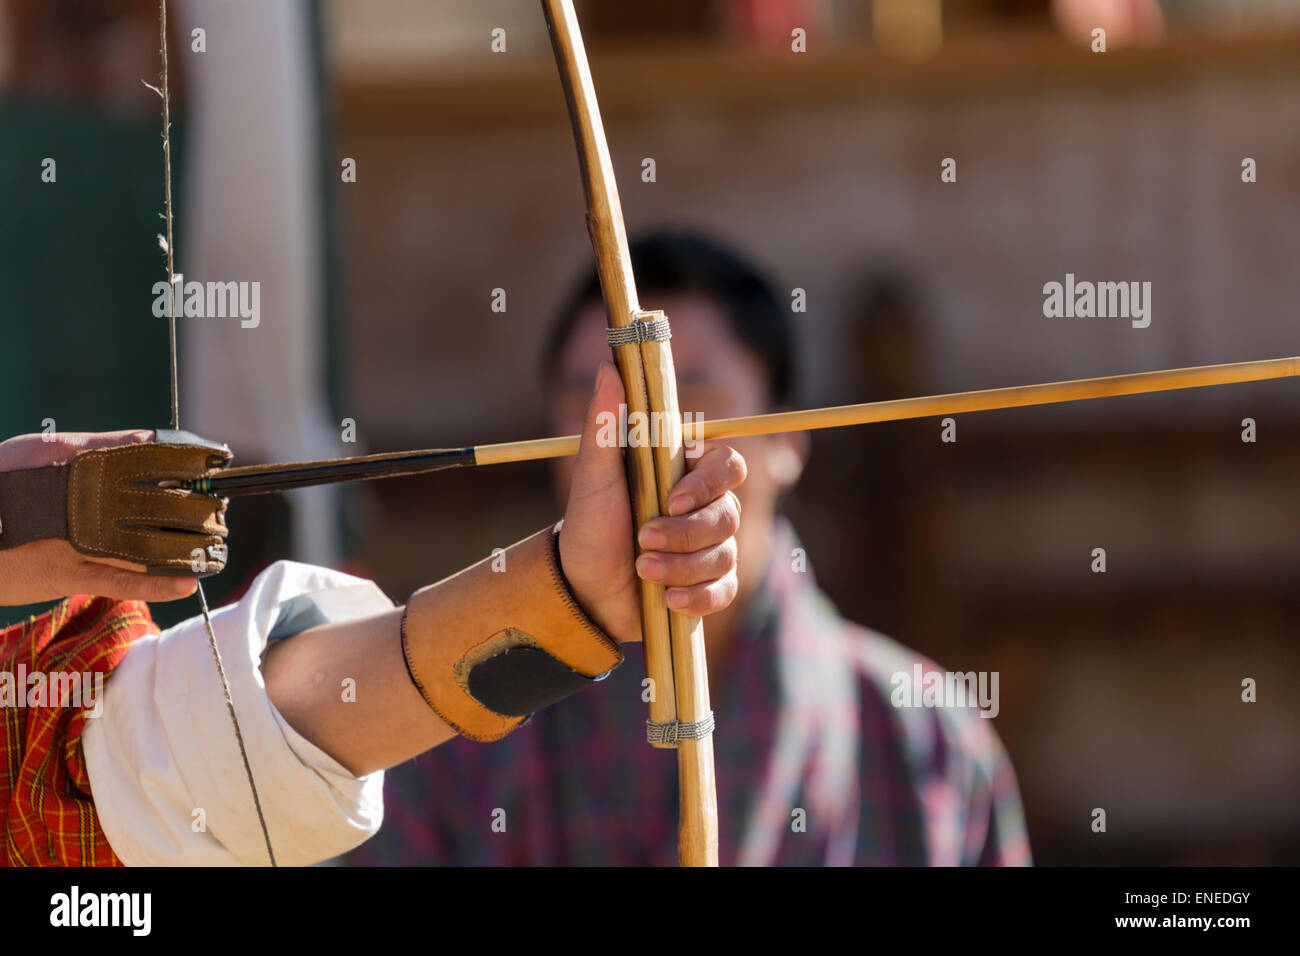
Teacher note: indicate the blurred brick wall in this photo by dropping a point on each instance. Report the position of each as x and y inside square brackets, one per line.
[1119, 690]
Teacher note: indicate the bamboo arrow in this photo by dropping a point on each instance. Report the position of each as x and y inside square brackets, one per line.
[261, 479]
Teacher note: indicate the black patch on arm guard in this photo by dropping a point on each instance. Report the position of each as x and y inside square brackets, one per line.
[523, 680]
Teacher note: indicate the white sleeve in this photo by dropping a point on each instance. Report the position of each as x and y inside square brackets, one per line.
[165, 770]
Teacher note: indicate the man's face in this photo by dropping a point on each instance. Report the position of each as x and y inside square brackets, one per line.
[717, 377]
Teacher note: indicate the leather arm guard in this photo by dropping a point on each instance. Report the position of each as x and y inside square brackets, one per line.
[486, 648]
[107, 503]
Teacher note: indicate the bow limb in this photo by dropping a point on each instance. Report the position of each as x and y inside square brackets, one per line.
[674, 642]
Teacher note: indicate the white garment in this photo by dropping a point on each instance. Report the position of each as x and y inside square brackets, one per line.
[164, 748]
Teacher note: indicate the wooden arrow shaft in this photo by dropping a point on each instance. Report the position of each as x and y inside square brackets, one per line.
[1017, 396]
[259, 479]
[953, 403]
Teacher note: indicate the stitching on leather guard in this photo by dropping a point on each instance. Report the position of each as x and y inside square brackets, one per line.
[499, 643]
[419, 685]
[567, 596]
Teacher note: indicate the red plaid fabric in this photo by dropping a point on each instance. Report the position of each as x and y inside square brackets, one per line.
[47, 813]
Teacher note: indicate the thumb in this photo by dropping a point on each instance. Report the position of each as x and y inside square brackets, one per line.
[596, 550]
[106, 581]
[600, 456]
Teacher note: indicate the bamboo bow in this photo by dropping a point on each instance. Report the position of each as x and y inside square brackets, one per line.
[674, 642]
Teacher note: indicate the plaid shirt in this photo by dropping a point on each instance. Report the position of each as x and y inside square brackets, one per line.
[814, 765]
[47, 813]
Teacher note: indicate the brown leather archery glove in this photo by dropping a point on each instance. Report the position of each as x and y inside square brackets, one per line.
[110, 503]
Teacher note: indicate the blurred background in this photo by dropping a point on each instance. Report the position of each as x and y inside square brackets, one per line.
[1119, 690]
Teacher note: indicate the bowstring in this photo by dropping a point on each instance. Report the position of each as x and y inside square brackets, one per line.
[176, 413]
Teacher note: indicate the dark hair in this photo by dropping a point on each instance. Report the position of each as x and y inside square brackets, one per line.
[672, 263]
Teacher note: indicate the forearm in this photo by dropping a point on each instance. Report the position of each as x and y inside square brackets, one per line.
[345, 688]
[473, 654]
